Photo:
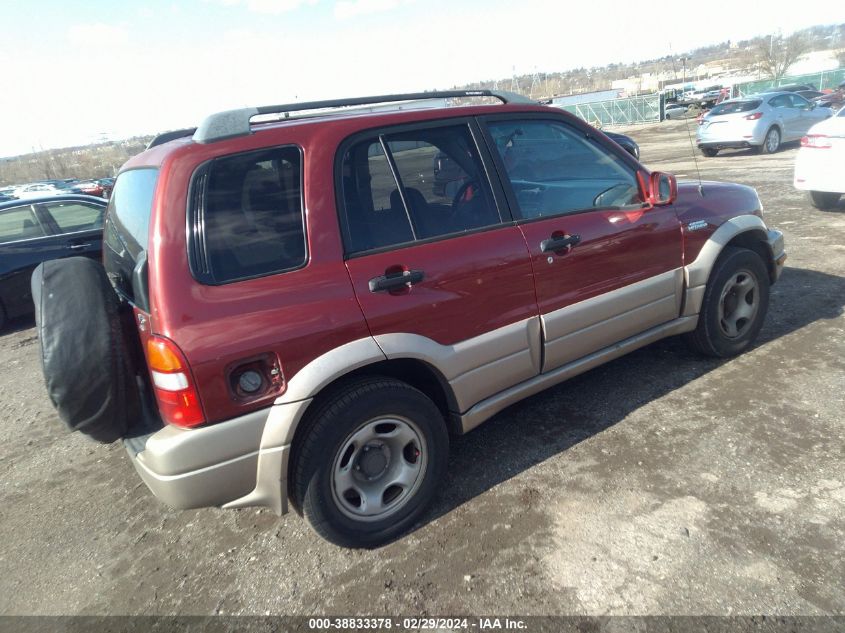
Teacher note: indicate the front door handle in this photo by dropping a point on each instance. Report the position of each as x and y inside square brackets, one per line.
[77, 247]
[395, 281]
[559, 243]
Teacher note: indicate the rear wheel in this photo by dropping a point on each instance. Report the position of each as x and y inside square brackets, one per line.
[709, 151]
[772, 141]
[2, 317]
[824, 200]
[369, 462]
[735, 303]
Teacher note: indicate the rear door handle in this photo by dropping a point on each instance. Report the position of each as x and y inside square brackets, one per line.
[77, 247]
[395, 281]
[559, 243]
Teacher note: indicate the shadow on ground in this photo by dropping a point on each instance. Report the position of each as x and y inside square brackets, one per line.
[557, 419]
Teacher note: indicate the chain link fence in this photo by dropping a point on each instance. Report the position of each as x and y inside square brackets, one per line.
[819, 81]
[629, 111]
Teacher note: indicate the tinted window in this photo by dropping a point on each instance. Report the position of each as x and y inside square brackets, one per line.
[554, 169]
[440, 188]
[798, 101]
[735, 106]
[250, 206]
[75, 216]
[19, 224]
[127, 225]
[781, 101]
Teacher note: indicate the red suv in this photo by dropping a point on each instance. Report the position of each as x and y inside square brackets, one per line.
[291, 309]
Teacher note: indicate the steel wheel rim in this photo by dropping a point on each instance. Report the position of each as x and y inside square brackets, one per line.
[378, 468]
[738, 304]
[772, 140]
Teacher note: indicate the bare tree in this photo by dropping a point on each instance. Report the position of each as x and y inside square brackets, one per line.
[776, 53]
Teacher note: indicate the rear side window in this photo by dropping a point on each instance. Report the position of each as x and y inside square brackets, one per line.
[735, 106]
[414, 185]
[71, 217]
[126, 233]
[19, 224]
[246, 216]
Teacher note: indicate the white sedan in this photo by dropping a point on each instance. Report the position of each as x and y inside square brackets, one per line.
[37, 190]
[820, 166]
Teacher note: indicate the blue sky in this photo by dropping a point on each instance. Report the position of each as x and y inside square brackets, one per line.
[79, 70]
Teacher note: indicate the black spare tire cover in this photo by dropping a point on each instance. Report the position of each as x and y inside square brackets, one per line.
[83, 351]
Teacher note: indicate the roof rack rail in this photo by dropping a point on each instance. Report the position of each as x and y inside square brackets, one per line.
[164, 137]
[232, 123]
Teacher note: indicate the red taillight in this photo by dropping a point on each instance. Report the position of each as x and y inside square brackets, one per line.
[178, 400]
[754, 116]
[819, 141]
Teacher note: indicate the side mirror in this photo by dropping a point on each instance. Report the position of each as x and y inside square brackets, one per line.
[663, 189]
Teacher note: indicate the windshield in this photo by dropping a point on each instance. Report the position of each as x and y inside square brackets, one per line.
[732, 107]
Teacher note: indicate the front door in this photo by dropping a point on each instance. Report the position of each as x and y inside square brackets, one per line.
[606, 265]
[439, 275]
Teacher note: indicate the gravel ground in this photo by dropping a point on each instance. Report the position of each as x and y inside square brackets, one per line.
[661, 483]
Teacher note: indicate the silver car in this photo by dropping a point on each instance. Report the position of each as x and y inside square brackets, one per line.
[762, 122]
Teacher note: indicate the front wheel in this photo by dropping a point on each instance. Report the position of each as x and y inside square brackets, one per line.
[824, 200]
[369, 462]
[735, 303]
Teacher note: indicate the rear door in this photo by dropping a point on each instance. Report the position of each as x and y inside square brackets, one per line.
[78, 223]
[440, 272]
[25, 242]
[606, 265]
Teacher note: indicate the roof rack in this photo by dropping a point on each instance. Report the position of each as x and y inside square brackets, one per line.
[232, 123]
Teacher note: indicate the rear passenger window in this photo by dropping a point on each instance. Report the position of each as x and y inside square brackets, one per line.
[71, 217]
[246, 214]
[416, 185]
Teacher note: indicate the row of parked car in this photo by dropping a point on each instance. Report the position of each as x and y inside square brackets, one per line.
[764, 122]
[100, 187]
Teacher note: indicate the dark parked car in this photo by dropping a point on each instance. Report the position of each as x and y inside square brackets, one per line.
[625, 142]
[38, 229]
[809, 95]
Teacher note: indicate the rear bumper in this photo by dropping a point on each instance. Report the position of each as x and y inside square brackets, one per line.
[820, 170]
[210, 466]
[727, 144]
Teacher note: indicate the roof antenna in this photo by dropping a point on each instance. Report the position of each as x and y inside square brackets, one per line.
[689, 133]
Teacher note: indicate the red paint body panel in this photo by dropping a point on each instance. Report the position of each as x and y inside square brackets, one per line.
[473, 284]
[617, 248]
[301, 314]
[721, 202]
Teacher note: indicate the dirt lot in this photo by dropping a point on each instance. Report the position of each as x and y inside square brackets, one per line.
[658, 484]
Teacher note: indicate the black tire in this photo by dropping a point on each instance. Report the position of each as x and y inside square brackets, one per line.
[771, 147]
[710, 152]
[327, 440]
[2, 317]
[83, 352]
[824, 200]
[711, 337]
